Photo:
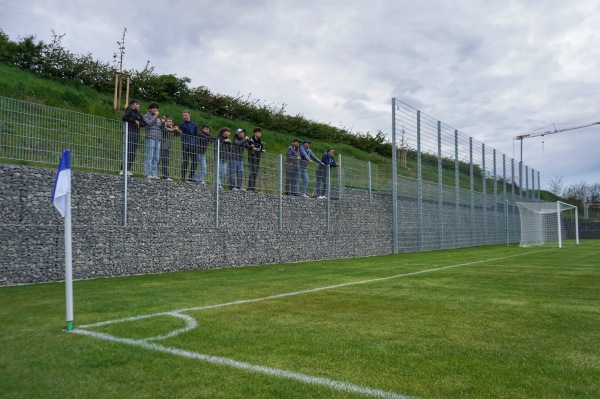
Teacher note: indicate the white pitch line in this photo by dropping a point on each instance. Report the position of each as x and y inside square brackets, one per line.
[191, 323]
[223, 361]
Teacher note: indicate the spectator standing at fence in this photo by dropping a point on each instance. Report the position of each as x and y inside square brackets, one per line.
[257, 147]
[135, 121]
[224, 154]
[166, 144]
[189, 146]
[327, 162]
[307, 156]
[292, 168]
[154, 127]
[204, 139]
[236, 165]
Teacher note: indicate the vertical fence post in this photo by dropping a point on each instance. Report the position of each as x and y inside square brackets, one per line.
[440, 187]
[370, 184]
[506, 213]
[504, 187]
[527, 193]
[496, 238]
[125, 170]
[328, 168]
[533, 193]
[340, 177]
[512, 188]
[217, 182]
[539, 187]
[280, 184]
[484, 196]
[420, 185]
[394, 181]
[472, 191]
[456, 189]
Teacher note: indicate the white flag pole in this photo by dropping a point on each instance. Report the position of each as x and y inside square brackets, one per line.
[61, 197]
[68, 264]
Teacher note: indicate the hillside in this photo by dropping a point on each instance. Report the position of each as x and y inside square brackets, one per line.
[26, 86]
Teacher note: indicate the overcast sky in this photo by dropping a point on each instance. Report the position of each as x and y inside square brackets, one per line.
[491, 69]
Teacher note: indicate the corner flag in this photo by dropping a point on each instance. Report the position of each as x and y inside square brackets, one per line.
[61, 197]
[62, 185]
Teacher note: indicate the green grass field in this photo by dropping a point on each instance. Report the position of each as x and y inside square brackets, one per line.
[487, 322]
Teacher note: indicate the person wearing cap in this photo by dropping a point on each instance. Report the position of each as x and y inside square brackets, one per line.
[257, 147]
[154, 126]
[292, 168]
[204, 139]
[327, 162]
[306, 156]
[236, 165]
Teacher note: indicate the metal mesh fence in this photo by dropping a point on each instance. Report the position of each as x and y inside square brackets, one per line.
[464, 190]
[451, 190]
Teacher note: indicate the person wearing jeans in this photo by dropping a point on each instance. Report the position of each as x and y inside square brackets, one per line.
[224, 154]
[292, 168]
[154, 127]
[307, 156]
[236, 170]
[327, 162]
[204, 138]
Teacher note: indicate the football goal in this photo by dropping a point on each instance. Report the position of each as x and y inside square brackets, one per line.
[548, 224]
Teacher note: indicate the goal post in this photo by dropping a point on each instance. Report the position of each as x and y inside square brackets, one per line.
[548, 224]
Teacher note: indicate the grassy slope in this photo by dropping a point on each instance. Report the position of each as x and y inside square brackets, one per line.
[23, 85]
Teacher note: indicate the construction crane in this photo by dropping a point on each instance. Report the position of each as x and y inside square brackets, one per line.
[537, 134]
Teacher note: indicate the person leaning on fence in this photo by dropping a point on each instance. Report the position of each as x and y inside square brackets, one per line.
[166, 144]
[135, 121]
[307, 156]
[224, 154]
[204, 138]
[236, 165]
[257, 147]
[327, 162]
[154, 127]
[189, 146]
[292, 168]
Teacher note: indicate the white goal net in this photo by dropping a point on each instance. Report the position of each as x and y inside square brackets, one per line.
[548, 224]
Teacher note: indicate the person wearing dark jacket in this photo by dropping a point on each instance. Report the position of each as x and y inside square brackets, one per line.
[257, 147]
[204, 139]
[135, 121]
[224, 154]
[292, 168]
[327, 162]
[236, 164]
[189, 146]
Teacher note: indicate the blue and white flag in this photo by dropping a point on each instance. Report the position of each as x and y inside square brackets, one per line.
[62, 185]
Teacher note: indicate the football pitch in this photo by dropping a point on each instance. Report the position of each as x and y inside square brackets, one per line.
[485, 322]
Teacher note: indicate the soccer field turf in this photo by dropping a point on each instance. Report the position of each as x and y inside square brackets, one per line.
[487, 322]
